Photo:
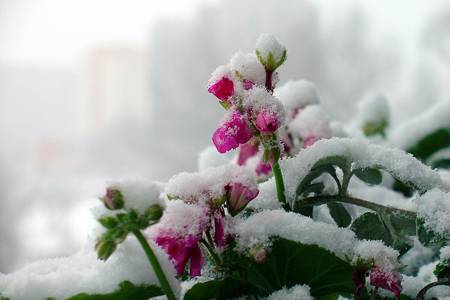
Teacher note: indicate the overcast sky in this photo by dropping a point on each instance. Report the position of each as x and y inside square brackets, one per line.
[57, 32]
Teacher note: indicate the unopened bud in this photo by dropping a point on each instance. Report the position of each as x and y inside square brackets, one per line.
[270, 51]
[105, 249]
[113, 199]
[258, 254]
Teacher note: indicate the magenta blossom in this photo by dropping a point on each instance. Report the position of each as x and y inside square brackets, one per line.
[245, 152]
[238, 198]
[263, 169]
[181, 250]
[248, 85]
[266, 121]
[389, 280]
[222, 89]
[232, 133]
[310, 140]
[221, 237]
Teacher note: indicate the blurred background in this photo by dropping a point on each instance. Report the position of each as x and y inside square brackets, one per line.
[92, 91]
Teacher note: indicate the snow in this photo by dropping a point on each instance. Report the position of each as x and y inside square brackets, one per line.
[434, 209]
[409, 132]
[298, 292]
[209, 183]
[266, 44]
[311, 121]
[445, 255]
[249, 67]
[373, 109]
[382, 256]
[297, 94]
[138, 194]
[66, 277]
[362, 155]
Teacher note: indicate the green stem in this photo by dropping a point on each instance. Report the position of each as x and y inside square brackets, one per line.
[155, 265]
[280, 185]
[214, 255]
[374, 294]
[317, 200]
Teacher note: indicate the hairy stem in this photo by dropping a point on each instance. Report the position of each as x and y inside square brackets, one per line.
[155, 265]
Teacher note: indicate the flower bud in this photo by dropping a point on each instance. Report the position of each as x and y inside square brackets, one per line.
[258, 254]
[238, 198]
[266, 121]
[233, 132]
[270, 51]
[113, 199]
[222, 89]
[154, 213]
[248, 85]
[105, 249]
[386, 279]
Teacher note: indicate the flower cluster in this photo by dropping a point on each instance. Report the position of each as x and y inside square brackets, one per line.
[201, 214]
[245, 87]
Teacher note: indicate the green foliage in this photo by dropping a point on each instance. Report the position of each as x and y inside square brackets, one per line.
[369, 226]
[339, 214]
[426, 236]
[370, 176]
[431, 143]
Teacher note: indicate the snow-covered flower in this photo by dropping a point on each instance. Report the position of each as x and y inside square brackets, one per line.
[248, 84]
[181, 249]
[386, 279]
[239, 196]
[267, 121]
[223, 89]
[258, 254]
[234, 131]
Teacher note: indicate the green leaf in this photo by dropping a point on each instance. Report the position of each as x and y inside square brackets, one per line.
[370, 176]
[108, 222]
[431, 143]
[339, 161]
[369, 226]
[339, 214]
[403, 224]
[290, 263]
[127, 291]
[270, 64]
[313, 174]
[316, 188]
[442, 272]
[427, 237]
[228, 288]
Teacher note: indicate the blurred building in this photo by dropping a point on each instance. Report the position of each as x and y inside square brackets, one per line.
[113, 86]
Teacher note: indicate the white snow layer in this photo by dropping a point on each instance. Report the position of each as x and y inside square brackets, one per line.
[266, 44]
[298, 292]
[434, 209]
[373, 109]
[66, 277]
[297, 94]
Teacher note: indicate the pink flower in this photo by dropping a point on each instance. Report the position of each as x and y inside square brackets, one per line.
[232, 133]
[239, 196]
[263, 169]
[113, 199]
[389, 280]
[220, 237]
[222, 89]
[245, 152]
[248, 85]
[181, 250]
[266, 121]
[258, 254]
[310, 140]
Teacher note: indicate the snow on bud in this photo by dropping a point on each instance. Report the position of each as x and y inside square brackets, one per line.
[296, 95]
[113, 199]
[373, 114]
[238, 197]
[223, 89]
[248, 85]
[386, 279]
[270, 51]
[234, 131]
[266, 121]
[258, 254]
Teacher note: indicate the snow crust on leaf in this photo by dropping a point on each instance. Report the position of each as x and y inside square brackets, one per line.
[257, 230]
[267, 198]
[209, 183]
[138, 194]
[298, 292]
[412, 285]
[384, 257]
[434, 209]
[363, 155]
[445, 254]
[63, 278]
[297, 94]
[409, 132]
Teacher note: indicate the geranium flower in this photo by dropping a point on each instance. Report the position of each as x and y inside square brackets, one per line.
[181, 250]
[266, 121]
[386, 279]
[239, 196]
[233, 132]
[222, 89]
